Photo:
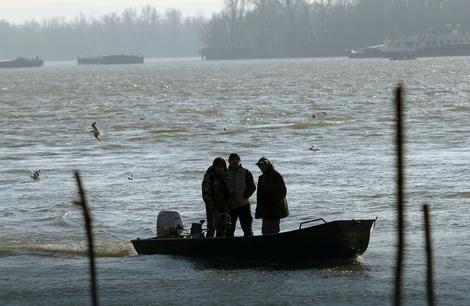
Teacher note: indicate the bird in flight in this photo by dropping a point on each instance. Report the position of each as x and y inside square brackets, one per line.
[314, 148]
[35, 174]
[95, 131]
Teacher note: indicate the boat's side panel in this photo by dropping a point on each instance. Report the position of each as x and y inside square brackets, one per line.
[338, 239]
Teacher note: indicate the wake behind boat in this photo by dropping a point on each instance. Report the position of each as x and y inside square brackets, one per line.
[341, 239]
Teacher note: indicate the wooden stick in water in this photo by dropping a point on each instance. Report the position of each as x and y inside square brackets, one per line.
[427, 236]
[399, 143]
[91, 253]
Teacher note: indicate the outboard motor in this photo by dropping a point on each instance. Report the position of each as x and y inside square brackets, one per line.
[196, 230]
[169, 224]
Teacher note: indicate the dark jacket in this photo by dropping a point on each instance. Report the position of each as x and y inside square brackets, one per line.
[270, 195]
[215, 192]
[241, 186]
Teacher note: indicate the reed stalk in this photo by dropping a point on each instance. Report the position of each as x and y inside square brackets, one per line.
[88, 226]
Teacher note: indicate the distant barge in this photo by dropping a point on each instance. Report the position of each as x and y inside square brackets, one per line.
[229, 53]
[111, 60]
[21, 62]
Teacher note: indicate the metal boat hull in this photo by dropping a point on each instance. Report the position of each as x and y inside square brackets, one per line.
[343, 239]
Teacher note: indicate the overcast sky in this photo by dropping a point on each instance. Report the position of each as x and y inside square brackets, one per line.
[17, 11]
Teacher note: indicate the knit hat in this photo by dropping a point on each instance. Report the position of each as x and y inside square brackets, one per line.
[264, 160]
[234, 156]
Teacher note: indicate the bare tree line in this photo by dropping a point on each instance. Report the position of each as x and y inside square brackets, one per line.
[324, 27]
[134, 31]
[268, 28]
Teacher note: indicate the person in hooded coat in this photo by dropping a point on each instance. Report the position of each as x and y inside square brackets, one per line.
[271, 204]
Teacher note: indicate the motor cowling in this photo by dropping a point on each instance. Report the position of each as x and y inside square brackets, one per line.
[169, 224]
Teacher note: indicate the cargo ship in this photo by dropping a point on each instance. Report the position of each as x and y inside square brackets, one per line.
[21, 62]
[111, 60]
[450, 40]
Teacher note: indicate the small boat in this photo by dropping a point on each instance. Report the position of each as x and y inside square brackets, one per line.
[341, 239]
[21, 62]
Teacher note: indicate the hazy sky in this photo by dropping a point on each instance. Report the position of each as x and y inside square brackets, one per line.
[17, 11]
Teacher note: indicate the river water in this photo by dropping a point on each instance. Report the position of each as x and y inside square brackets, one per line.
[166, 120]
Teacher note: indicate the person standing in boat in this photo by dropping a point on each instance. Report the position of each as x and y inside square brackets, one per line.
[271, 204]
[216, 198]
[241, 186]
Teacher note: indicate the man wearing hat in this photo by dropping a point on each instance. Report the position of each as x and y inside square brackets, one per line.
[271, 197]
[241, 186]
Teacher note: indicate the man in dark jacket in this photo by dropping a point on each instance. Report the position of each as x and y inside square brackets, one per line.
[271, 197]
[216, 197]
[241, 186]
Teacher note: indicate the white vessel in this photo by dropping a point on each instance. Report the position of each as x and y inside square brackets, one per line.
[450, 40]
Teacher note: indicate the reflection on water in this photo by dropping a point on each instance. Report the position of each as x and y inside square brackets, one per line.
[348, 265]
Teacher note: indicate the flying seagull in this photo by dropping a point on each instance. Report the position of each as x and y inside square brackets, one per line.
[314, 148]
[95, 131]
[35, 174]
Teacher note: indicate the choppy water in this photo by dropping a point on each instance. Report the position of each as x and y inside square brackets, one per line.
[166, 120]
